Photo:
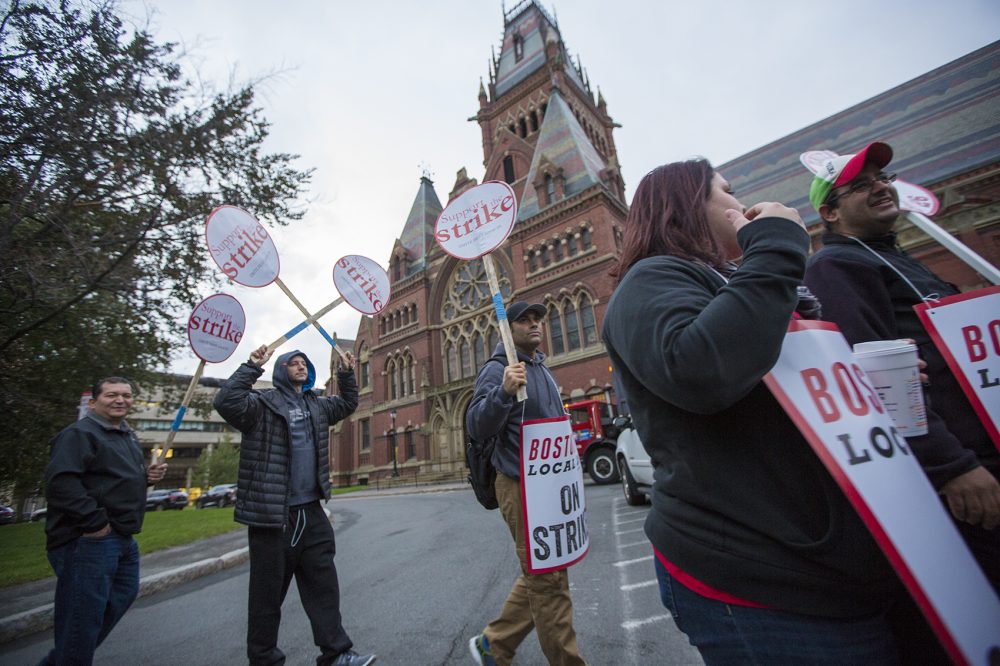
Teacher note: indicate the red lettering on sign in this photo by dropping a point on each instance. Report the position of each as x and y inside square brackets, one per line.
[816, 385]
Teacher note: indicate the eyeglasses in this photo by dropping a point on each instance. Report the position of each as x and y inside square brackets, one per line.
[862, 186]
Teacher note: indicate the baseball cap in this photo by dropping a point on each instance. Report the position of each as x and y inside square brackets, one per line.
[519, 308]
[845, 168]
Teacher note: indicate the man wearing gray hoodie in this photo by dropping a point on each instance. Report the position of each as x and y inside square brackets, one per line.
[284, 473]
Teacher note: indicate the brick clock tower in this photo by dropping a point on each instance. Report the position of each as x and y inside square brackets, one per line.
[547, 134]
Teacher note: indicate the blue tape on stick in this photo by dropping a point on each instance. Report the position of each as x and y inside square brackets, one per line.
[176, 425]
[498, 306]
[333, 343]
[295, 331]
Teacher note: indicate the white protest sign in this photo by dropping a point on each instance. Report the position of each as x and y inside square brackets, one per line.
[477, 221]
[362, 283]
[241, 246]
[216, 327]
[966, 329]
[555, 519]
[911, 197]
[832, 402]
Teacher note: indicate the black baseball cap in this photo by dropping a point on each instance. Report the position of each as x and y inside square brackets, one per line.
[520, 308]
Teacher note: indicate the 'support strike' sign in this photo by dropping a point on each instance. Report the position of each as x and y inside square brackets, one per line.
[832, 402]
[555, 520]
[966, 328]
[216, 327]
[478, 221]
[241, 246]
[362, 282]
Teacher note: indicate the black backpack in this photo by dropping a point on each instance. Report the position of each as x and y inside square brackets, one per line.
[479, 458]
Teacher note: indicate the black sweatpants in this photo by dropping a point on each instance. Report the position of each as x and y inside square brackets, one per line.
[304, 549]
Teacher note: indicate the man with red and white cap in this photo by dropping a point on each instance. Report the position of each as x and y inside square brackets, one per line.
[868, 286]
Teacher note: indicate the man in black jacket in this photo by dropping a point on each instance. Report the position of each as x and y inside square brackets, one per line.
[868, 286]
[284, 473]
[95, 485]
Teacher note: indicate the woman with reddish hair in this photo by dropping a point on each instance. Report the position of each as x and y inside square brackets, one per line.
[759, 555]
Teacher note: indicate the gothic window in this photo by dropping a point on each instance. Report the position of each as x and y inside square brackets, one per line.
[557, 249]
[411, 451]
[522, 126]
[532, 261]
[401, 377]
[381, 325]
[365, 435]
[508, 169]
[571, 245]
[585, 238]
[463, 353]
[588, 321]
[451, 362]
[556, 332]
[518, 48]
[478, 350]
[494, 340]
[390, 372]
[406, 316]
[411, 368]
[533, 117]
[550, 190]
[545, 255]
[572, 327]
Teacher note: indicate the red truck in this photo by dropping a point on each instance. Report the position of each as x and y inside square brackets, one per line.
[596, 436]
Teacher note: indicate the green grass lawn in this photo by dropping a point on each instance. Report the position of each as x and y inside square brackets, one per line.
[22, 546]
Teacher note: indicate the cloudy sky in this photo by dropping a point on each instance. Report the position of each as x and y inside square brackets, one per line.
[369, 93]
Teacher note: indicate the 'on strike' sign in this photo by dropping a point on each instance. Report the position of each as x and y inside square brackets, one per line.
[832, 402]
[555, 520]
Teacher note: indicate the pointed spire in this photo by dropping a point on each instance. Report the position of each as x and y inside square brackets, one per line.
[418, 232]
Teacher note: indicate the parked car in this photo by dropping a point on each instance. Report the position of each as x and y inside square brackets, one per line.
[633, 463]
[38, 515]
[222, 495]
[6, 515]
[160, 500]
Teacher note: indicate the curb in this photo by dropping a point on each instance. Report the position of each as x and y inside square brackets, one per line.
[41, 618]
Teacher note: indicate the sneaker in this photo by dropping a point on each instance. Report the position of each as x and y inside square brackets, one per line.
[352, 658]
[480, 649]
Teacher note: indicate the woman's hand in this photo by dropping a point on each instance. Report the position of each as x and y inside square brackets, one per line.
[763, 209]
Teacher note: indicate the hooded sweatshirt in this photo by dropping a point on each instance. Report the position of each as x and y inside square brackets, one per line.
[493, 410]
[303, 486]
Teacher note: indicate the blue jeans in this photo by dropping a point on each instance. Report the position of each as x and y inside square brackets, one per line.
[98, 579]
[728, 634]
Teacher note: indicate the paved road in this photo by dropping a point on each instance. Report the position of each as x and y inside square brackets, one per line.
[420, 574]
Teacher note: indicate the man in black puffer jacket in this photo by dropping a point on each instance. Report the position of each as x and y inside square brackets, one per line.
[284, 473]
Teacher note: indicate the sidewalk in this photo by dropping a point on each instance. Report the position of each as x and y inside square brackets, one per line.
[27, 608]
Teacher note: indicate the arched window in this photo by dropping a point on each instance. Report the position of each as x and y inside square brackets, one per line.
[406, 316]
[585, 238]
[550, 190]
[401, 378]
[532, 261]
[390, 371]
[571, 248]
[522, 127]
[534, 120]
[556, 332]
[572, 327]
[463, 353]
[588, 321]
[508, 169]
[518, 48]
[494, 339]
[411, 369]
[450, 362]
[478, 350]
[545, 255]
[557, 249]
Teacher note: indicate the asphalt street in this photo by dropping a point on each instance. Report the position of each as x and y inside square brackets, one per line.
[419, 575]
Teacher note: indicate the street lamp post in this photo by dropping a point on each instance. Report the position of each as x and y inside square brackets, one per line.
[392, 442]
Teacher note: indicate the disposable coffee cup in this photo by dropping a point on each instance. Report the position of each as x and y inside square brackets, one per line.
[891, 366]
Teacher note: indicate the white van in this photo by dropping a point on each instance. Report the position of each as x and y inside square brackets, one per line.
[636, 470]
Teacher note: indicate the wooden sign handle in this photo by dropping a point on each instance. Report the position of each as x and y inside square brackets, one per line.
[505, 335]
[302, 309]
[311, 319]
[160, 451]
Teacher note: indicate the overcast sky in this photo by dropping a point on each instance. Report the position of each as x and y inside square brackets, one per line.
[369, 92]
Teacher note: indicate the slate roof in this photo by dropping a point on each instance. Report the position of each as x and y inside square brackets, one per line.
[533, 23]
[418, 232]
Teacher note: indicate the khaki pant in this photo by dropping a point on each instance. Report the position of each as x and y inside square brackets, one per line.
[539, 601]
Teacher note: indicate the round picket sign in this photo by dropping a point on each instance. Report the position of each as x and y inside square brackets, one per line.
[215, 328]
[362, 282]
[241, 246]
[477, 221]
